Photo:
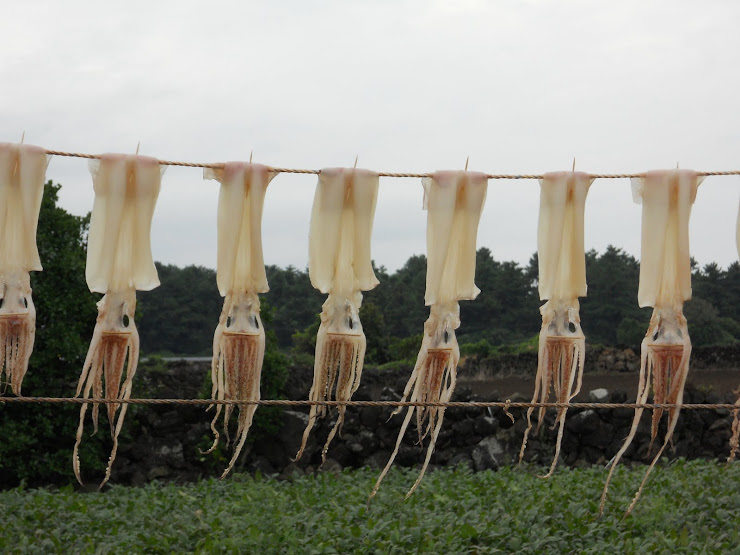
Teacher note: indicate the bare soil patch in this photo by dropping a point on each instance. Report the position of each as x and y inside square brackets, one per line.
[721, 382]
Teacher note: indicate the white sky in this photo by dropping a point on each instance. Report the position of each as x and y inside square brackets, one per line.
[519, 86]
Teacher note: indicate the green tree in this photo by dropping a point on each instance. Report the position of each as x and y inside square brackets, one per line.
[613, 278]
[180, 315]
[36, 439]
[376, 333]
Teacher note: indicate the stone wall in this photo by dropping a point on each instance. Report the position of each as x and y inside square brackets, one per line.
[163, 442]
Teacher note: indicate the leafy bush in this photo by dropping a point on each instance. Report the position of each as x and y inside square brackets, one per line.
[65, 317]
[688, 507]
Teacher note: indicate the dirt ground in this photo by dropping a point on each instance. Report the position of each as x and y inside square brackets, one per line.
[722, 382]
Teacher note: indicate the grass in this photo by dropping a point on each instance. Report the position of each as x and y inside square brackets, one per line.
[690, 507]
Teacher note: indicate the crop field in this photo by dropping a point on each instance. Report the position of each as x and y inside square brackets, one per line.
[688, 507]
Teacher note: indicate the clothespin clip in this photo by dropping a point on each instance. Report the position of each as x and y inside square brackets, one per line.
[466, 162]
[573, 169]
[23, 136]
[137, 147]
[250, 156]
[356, 157]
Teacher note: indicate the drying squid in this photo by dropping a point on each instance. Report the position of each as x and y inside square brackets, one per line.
[239, 339]
[340, 265]
[665, 283]
[735, 431]
[562, 279]
[22, 173]
[119, 261]
[454, 202]
[735, 436]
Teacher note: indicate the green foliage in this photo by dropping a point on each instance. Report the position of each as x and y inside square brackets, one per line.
[630, 332]
[705, 325]
[376, 333]
[179, 316]
[613, 278]
[36, 439]
[481, 349]
[405, 349]
[304, 342]
[688, 507]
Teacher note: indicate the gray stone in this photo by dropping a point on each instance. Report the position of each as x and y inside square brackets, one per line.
[486, 454]
[462, 429]
[461, 459]
[331, 466]
[389, 394]
[583, 422]
[599, 395]
[370, 416]
[378, 459]
[158, 472]
[364, 442]
[172, 454]
[291, 433]
[485, 425]
[723, 424]
[291, 472]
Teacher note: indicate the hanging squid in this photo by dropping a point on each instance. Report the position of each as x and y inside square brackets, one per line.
[239, 339]
[454, 202]
[340, 264]
[735, 435]
[735, 431]
[562, 279]
[119, 261]
[22, 173]
[665, 283]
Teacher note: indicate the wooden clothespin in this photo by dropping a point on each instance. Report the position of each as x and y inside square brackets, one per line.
[573, 169]
[466, 162]
[250, 156]
[356, 157]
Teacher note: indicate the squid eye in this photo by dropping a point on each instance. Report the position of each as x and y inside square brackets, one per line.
[255, 323]
[350, 323]
[446, 337]
[2, 301]
[655, 335]
[125, 320]
[25, 302]
[572, 327]
[228, 321]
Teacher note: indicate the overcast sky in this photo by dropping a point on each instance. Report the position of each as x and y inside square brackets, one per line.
[519, 86]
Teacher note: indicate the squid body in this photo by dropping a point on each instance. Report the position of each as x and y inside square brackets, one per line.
[340, 265]
[22, 173]
[239, 339]
[665, 283]
[119, 261]
[454, 202]
[562, 279]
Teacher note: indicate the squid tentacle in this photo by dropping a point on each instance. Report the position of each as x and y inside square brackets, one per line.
[236, 367]
[114, 346]
[340, 352]
[17, 327]
[561, 358]
[432, 380]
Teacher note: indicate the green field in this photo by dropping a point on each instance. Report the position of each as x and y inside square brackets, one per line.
[691, 507]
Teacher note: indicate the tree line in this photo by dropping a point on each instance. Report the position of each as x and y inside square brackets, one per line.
[179, 317]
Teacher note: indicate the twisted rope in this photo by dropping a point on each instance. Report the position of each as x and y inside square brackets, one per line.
[303, 403]
[383, 174]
